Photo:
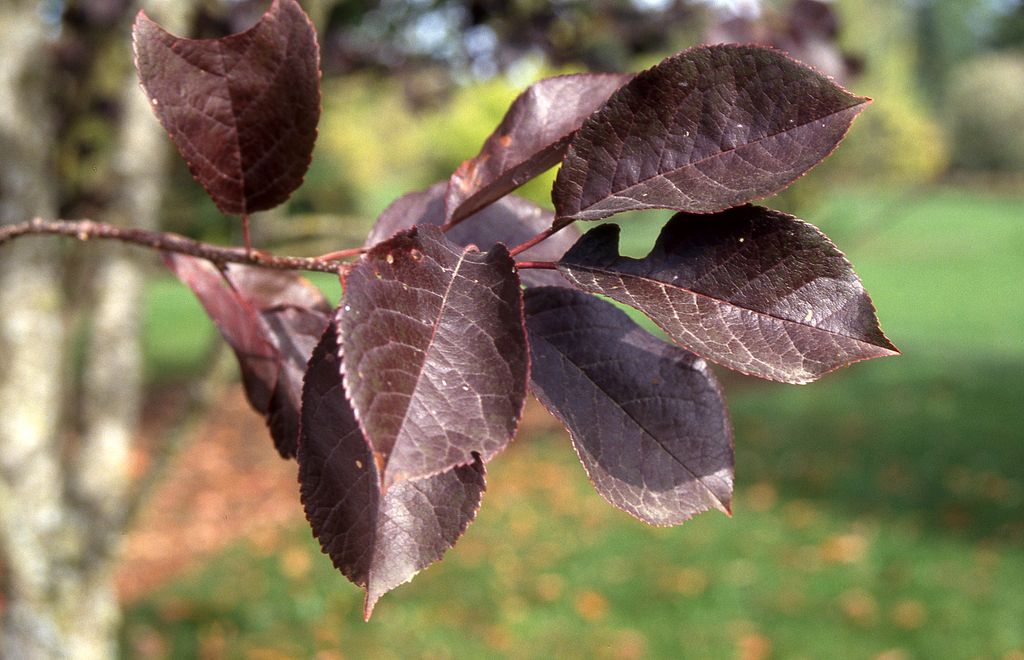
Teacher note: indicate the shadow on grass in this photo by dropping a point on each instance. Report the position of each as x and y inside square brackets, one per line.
[938, 443]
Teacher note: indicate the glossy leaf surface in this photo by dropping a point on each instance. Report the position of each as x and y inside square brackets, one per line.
[378, 540]
[530, 139]
[752, 289]
[435, 352]
[646, 417]
[272, 320]
[707, 129]
[241, 110]
[510, 221]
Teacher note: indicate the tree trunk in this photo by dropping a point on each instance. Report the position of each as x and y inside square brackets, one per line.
[63, 508]
[32, 522]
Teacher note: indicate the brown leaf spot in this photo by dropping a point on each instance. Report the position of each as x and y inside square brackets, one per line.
[629, 645]
[753, 647]
[295, 563]
[909, 614]
[893, 654]
[691, 582]
[844, 549]
[550, 587]
[591, 605]
[859, 607]
[800, 514]
[761, 497]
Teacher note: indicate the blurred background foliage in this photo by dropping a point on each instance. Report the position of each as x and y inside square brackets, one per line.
[879, 513]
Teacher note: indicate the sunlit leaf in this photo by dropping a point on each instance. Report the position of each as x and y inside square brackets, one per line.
[435, 352]
[707, 129]
[750, 288]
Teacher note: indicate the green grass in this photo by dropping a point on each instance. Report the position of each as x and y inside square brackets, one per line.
[177, 335]
[880, 509]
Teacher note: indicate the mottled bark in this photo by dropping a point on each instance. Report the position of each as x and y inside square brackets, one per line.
[33, 525]
[62, 511]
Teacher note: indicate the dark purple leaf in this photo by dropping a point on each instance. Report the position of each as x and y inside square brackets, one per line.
[294, 332]
[267, 289]
[378, 540]
[272, 320]
[510, 221]
[422, 207]
[238, 321]
[241, 110]
[647, 418]
[707, 129]
[435, 352]
[530, 139]
[750, 288]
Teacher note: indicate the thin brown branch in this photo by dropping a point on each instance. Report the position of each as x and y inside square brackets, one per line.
[543, 236]
[544, 265]
[85, 230]
[247, 236]
[343, 254]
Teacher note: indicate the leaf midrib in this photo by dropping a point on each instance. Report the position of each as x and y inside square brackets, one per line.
[718, 301]
[426, 352]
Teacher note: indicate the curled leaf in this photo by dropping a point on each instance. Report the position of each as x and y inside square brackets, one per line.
[510, 221]
[272, 320]
[530, 139]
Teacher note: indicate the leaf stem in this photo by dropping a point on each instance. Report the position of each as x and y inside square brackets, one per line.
[546, 265]
[555, 227]
[245, 233]
[343, 254]
[85, 230]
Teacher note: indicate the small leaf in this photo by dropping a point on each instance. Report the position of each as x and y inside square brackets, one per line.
[435, 352]
[510, 221]
[750, 288]
[378, 540]
[531, 139]
[704, 130]
[647, 418]
[241, 110]
[272, 320]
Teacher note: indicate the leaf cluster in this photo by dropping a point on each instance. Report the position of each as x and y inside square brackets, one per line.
[466, 297]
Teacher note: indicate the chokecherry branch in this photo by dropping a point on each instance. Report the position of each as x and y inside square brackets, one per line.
[343, 254]
[246, 234]
[557, 226]
[546, 265]
[85, 230]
